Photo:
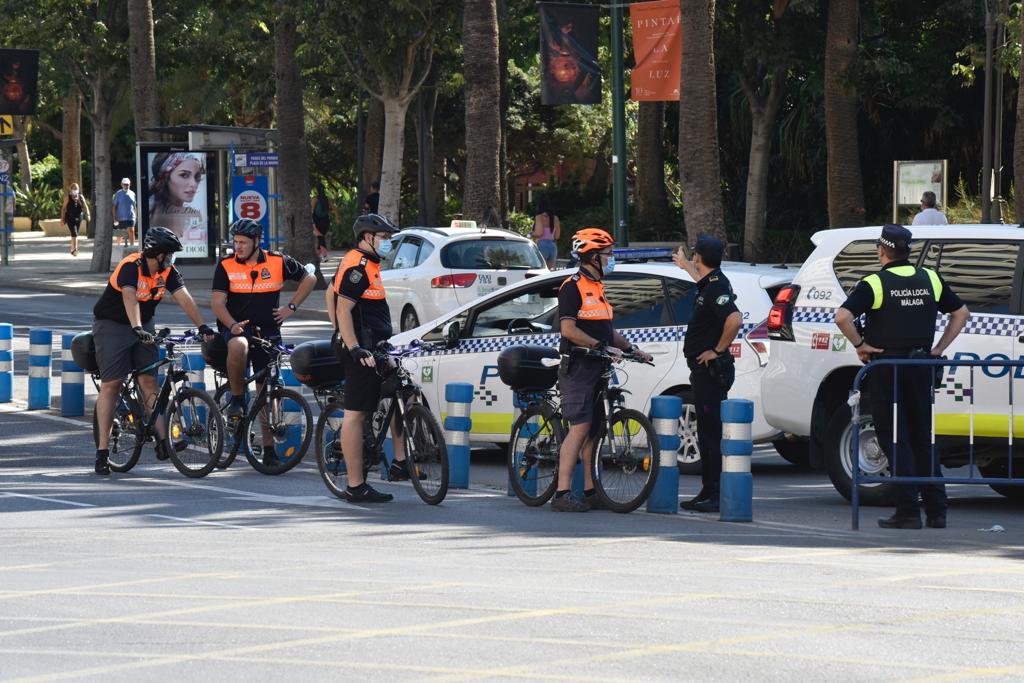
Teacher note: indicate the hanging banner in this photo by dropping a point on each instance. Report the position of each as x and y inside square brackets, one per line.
[19, 72]
[570, 72]
[658, 46]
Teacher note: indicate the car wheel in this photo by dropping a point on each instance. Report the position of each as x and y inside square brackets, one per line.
[795, 451]
[688, 455]
[999, 469]
[839, 457]
[409, 319]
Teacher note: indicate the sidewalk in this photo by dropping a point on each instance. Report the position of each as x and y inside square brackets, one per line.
[43, 263]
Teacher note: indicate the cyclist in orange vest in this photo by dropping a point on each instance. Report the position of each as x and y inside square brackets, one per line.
[357, 306]
[585, 321]
[123, 328]
[246, 295]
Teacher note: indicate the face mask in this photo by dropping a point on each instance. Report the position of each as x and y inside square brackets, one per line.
[384, 248]
[74, 195]
[610, 266]
[172, 259]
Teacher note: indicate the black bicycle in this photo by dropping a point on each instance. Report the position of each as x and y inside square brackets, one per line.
[276, 416]
[195, 433]
[426, 453]
[625, 465]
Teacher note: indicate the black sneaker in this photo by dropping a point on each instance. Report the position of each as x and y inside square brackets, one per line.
[898, 521]
[936, 522]
[399, 472]
[569, 503]
[102, 466]
[709, 505]
[593, 500]
[234, 411]
[161, 452]
[270, 458]
[691, 504]
[366, 494]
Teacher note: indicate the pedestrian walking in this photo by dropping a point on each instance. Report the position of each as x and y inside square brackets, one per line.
[372, 200]
[123, 211]
[929, 215]
[713, 326]
[546, 231]
[321, 209]
[901, 303]
[75, 208]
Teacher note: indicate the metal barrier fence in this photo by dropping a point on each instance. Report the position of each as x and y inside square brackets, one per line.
[935, 476]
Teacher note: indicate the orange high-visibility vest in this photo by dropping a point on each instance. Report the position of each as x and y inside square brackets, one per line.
[258, 278]
[149, 287]
[594, 305]
[357, 258]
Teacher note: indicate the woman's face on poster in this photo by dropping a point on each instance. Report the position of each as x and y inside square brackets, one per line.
[184, 181]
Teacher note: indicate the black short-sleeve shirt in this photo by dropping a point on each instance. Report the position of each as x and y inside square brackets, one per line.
[715, 302]
[863, 297]
[581, 298]
[111, 303]
[258, 307]
[371, 316]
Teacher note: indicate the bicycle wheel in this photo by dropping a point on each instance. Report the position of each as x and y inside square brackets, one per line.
[223, 398]
[195, 433]
[126, 434]
[283, 417]
[329, 459]
[626, 462]
[533, 450]
[426, 455]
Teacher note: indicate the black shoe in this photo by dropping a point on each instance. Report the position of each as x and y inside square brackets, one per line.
[366, 494]
[899, 521]
[102, 466]
[699, 498]
[398, 471]
[234, 411]
[593, 500]
[270, 458]
[936, 522]
[709, 505]
[569, 503]
[161, 452]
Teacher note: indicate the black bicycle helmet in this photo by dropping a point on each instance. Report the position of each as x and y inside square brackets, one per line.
[246, 227]
[160, 240]
[371, 222]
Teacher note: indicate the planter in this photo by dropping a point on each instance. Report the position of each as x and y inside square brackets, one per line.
[52, 228]
[22, 224]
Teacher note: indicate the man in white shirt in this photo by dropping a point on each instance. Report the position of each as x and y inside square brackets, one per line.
[929, 214]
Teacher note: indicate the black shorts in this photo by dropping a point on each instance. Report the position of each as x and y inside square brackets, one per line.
[125, 224]
[258, 356]
[362, 384]
[119, 352]
[73, 227]
[579, 389]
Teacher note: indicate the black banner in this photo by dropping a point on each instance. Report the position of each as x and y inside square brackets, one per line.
[570, 72]
[19, 70]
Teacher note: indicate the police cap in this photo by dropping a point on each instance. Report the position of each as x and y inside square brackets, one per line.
[709, 248]
[895, 236]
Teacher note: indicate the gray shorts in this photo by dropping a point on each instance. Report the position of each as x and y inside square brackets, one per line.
[579, 390]
[119, 351]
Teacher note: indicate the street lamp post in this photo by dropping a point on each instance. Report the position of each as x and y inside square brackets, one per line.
[619, 206]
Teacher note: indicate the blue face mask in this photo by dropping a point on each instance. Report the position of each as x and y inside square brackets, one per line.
[384, 248]
[610, 266]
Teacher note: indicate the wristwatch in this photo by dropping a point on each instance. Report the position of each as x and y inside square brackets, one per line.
[293, 307]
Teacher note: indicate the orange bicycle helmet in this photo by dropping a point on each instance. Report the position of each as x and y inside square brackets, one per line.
[591, 239]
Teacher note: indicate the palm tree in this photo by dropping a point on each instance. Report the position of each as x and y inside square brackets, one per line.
[845, 184]
[699, 170]
[481, 186]
[142, 59]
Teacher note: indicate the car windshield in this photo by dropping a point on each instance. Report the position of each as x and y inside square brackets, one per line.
[491, 253]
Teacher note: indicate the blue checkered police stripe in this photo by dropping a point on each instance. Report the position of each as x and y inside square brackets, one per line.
[639, 335]
[983, 325]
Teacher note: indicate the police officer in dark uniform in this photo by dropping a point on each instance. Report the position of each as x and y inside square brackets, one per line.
[901, 303]
[711, 331]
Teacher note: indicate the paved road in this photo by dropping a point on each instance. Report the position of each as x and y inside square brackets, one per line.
[238, 576]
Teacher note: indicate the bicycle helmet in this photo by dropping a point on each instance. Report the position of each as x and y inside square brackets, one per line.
[591, 239]
[160, 240]
[246, 227]
[371, 222]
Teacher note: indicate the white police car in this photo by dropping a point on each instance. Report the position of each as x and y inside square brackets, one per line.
[652, 304]
[811, 367]
[431, 271]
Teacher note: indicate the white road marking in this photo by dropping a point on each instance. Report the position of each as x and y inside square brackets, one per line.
[201, 521]
[49, 500]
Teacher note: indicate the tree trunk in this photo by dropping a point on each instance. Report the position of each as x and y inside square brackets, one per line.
[294, 213]
[651, 195]
[482, 186]
[1018, 149]
[142, 61]
[395, 110]
[426, 104]
[374, 150]
[699, 170]
[24, 160]
[104, 189]
[596, 189]
[71, 139]
[764, 112]
[503, 172]
[845, 184]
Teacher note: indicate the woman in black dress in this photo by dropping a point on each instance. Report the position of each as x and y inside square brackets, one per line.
[75, 208]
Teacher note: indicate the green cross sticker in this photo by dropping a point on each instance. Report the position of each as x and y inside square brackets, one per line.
[427, 374]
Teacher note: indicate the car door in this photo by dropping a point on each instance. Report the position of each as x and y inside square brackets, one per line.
[395, 273]
[527, 315]
[986, 276]
[644, 315]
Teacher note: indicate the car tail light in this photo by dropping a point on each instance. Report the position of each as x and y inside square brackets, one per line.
[757, 339]
[452, 281]
[780, 318]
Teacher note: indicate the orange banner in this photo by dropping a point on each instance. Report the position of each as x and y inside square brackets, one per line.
[658, 46]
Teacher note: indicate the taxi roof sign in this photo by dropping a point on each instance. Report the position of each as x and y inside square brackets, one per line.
[464, 224]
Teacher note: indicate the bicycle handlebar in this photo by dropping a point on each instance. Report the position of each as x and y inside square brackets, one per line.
[604, 355]
[387, 350]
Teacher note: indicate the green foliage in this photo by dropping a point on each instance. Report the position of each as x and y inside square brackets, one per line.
[48, 171]
[520, 223]
[39, 203]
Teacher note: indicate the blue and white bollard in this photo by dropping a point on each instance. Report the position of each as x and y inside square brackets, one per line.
[665, 414]
[457, 425]
[737, 484]
[292, 418]
[6, 360]
[39, 351]
[72, 381]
